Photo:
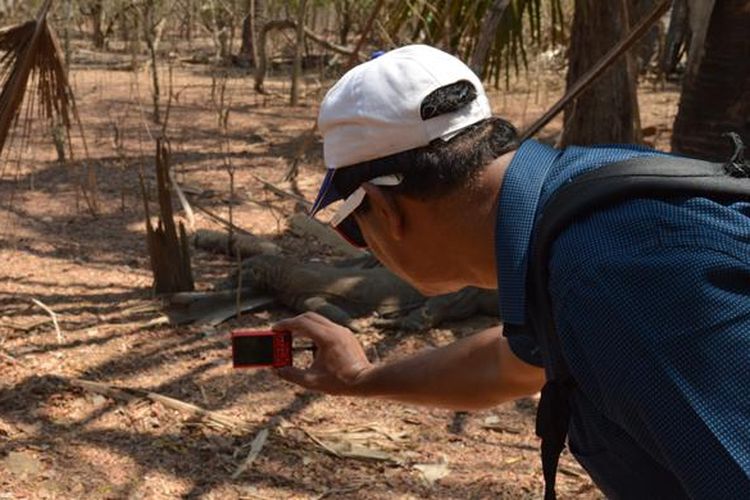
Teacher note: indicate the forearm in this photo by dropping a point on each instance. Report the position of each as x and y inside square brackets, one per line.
[475, 372]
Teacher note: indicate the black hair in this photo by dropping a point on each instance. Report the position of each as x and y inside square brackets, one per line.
[441, 166]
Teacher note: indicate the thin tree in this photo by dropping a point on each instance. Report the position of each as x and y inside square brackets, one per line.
[715, 100]
[251, 25]
[153, 22]
[298, 45]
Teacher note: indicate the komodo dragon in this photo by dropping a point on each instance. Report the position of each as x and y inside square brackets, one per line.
[341, 293]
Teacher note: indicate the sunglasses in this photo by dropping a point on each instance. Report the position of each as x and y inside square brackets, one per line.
[343, 220]
[350, 231]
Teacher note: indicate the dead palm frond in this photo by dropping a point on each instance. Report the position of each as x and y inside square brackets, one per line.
[33, 78]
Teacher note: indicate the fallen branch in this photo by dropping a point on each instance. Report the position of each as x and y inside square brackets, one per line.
[53, 316]
[128, 394]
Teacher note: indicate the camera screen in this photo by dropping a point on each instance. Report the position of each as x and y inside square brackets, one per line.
[252, 350]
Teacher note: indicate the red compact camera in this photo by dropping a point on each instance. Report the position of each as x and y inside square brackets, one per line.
[261, 348]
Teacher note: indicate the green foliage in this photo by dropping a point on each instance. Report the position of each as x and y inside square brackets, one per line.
[456, 26]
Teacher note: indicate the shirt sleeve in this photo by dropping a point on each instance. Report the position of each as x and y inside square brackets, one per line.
[523, 344]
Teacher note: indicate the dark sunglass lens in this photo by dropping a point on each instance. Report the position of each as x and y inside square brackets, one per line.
[349, 230]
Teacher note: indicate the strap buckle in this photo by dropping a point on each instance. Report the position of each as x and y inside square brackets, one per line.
[737, 166]
[552, 421]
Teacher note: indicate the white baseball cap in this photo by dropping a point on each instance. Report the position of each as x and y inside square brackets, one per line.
[377, 109]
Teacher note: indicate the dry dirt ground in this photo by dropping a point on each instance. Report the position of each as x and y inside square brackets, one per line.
[58, 440]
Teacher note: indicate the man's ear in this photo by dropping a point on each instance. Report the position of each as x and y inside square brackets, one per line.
[386, 210]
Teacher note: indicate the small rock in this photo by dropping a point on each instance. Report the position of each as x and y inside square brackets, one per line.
[22, 463]
[433, 472]
[491, 420]
[53, 486]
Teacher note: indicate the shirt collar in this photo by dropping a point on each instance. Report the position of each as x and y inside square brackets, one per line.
[519, 200]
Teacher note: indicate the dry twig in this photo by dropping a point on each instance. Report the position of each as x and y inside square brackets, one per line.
[53, 316]
[281, 192]
[127, 394]
[8, 357]
[183, 201]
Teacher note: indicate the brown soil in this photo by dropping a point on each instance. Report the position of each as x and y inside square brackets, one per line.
[60, 441]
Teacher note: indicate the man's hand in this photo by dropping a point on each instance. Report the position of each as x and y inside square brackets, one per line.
[475, 372]
[339, 362]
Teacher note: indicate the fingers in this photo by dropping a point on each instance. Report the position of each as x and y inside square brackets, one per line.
[309, 325]
[297, 376]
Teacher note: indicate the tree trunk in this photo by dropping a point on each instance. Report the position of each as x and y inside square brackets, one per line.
[247, 41]
[66, 35]
[716, 99]
[344, 14]
[251, 26]
[487, 36]
[699, 13]
[678, 36]
[605, 112]
[648, 49]
[188, 22]
[97, 23]
[298, 44]
[152, 33]
[632, 72]
[168, 244]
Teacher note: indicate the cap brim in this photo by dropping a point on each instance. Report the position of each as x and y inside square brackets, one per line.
[327, 193]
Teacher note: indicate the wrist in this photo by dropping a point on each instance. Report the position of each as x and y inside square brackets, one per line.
[366, 381]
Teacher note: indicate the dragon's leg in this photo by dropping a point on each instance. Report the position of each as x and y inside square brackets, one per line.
[450, 307]
[330, 311]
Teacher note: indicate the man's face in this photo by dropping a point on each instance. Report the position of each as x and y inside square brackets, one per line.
[407, 239]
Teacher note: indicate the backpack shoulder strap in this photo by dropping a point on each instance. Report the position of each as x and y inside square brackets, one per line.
[642, 177]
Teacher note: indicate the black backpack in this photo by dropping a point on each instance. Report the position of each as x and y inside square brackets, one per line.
[643, 177]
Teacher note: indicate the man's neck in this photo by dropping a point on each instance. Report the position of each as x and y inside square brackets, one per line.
[475, 222]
